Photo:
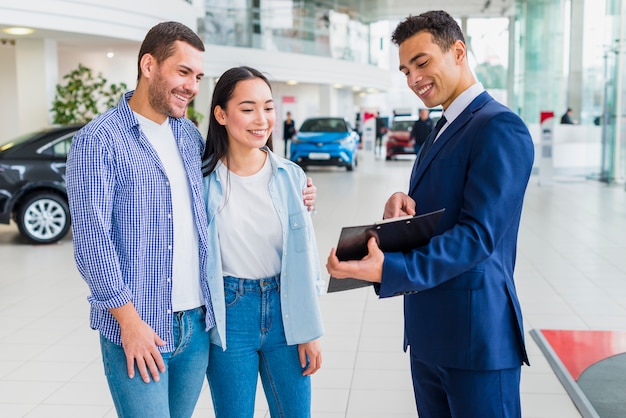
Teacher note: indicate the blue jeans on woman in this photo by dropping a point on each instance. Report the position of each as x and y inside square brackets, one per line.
[177, 391]
[255, 344]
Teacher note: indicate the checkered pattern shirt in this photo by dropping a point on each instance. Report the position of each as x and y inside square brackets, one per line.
[122, 221]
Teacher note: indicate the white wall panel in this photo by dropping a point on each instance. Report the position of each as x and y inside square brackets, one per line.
[280, 66]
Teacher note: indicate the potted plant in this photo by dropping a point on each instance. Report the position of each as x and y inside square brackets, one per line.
[84, 96]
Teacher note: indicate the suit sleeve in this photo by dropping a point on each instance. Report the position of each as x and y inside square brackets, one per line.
[481, 181]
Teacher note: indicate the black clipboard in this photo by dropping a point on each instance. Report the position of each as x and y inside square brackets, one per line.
[394, 235]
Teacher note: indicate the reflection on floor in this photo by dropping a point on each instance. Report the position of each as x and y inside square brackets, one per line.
[571, 275]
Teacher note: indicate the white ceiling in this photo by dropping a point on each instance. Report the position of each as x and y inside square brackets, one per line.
[368, 11]
[372, 10]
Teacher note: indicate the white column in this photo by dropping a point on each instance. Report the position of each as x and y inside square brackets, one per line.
[328, 100]
[619, 97]
[36, 80]
[8, 109]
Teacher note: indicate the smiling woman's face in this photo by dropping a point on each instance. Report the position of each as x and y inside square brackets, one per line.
[249, 116]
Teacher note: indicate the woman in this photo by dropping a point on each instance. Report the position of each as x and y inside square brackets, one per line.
[264, 271]
[289, 130]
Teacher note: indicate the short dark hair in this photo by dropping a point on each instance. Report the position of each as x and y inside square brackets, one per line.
[217, 136]
[159, 41]
[444, 29]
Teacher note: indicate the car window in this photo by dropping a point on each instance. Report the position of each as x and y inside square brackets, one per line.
[324, 125]
[59, 147]
[307, 125]
[338, 125]
[402, 125]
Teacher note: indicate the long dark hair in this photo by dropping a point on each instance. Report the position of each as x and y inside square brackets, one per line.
[217, 136]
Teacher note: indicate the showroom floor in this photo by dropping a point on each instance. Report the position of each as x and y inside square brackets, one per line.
[571, 274]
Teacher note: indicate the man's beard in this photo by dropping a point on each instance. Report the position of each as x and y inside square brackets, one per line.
[159, 98]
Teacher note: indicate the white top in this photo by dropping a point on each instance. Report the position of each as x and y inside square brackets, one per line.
[249, 229]
[186, 292]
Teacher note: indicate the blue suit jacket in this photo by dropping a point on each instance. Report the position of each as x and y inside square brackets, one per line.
[464, 311]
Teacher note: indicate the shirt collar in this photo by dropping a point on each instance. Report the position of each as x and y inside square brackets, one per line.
[462, 101]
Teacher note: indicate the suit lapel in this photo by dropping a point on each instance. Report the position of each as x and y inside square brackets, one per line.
[460, 121]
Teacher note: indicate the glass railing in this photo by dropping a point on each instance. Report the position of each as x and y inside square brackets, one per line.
[288, 27]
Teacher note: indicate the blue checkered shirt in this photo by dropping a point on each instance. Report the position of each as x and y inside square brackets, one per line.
[122, 222]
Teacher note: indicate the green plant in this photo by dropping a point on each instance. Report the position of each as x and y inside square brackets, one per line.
[193, 115]
[84, 96]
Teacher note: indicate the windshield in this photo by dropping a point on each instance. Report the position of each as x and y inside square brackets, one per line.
[324, 125]
[402, 125]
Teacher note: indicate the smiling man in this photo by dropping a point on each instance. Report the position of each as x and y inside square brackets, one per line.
[463, 321]
[139, 227]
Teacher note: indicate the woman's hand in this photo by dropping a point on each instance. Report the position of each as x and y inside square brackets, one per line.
[311, 352]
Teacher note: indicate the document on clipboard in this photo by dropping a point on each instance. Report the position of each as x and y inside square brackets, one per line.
[400, 234]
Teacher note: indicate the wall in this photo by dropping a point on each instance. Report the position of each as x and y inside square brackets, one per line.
[306, 69]
[122, 67]
[576, 150]
[8, 87]
[87, 27]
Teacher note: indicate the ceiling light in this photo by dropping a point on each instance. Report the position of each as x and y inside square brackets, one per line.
[18, 31]
[292, 82]
[110, 54]
[337, 85]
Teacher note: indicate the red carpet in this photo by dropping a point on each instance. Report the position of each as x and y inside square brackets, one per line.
[591, 366]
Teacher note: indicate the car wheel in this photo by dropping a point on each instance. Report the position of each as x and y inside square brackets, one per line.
[350, 166]
[44, 218]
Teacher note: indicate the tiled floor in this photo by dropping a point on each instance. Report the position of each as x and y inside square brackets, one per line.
[571, 275]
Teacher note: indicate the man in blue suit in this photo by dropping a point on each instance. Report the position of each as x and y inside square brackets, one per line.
[463, 321]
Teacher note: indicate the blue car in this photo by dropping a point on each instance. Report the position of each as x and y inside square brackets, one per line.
[325, 141]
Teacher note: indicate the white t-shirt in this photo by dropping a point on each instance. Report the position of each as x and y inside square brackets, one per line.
[186, 291]
[248, 225]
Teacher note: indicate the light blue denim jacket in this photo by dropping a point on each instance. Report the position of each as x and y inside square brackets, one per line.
[300, 277]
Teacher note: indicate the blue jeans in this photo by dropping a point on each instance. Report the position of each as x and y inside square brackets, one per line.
[176, 393]
[255, 344]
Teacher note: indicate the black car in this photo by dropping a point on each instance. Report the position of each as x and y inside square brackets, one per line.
[32, 183]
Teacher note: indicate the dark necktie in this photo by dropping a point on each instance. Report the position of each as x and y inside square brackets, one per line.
[431, 138]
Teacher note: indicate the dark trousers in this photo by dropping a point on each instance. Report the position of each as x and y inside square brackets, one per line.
[442, 392]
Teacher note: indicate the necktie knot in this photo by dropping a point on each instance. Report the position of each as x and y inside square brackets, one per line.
[431, 137]
[442, 121]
